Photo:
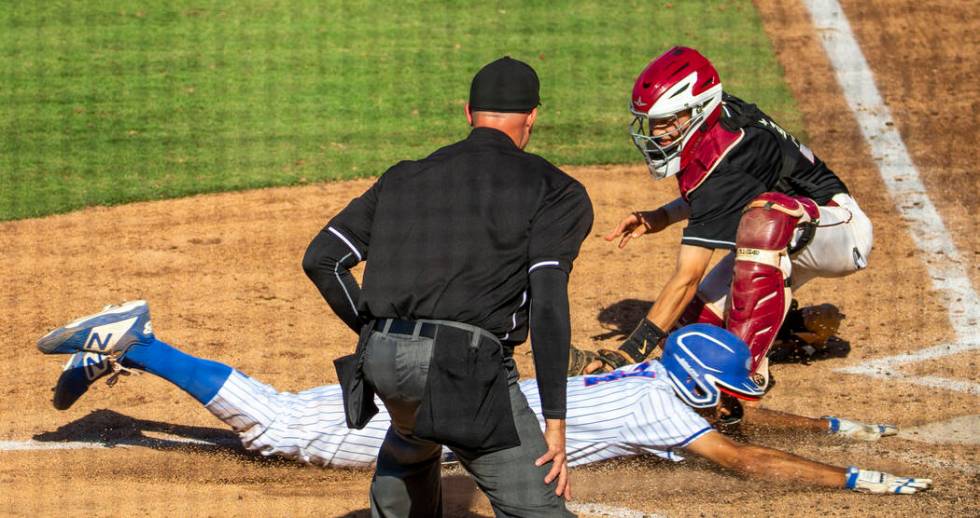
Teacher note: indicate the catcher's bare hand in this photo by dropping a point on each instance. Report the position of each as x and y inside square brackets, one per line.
[635, 225]
[554, 437]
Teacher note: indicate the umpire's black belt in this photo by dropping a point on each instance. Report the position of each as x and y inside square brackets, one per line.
[405, 327]
[428, 328]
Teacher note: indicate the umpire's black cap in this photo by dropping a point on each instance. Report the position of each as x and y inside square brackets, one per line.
[506, 85]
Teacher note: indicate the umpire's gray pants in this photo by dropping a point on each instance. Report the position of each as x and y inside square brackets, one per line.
[407, 477]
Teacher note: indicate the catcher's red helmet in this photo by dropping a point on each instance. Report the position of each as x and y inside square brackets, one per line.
[679, 80]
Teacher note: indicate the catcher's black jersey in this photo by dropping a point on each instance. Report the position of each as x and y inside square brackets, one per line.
[766, 159]
[454, 236]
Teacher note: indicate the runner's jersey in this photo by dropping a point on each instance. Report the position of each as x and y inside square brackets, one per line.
[765, 159]
[631, 411]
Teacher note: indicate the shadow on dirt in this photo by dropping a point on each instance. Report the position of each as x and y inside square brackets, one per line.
[795, 351]
[110, 429]
[620, 318]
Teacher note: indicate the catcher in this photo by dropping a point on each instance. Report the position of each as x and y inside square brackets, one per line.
[661, 408]
[746, 187]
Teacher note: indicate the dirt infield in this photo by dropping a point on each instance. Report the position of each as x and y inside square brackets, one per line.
[222, 273]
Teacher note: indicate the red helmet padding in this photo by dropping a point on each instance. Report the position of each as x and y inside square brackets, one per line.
[666, 71]
[739, 395]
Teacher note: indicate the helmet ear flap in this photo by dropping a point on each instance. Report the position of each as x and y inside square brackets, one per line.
[688, 383]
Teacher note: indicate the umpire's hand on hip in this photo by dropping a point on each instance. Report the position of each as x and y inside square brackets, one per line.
[554, 437]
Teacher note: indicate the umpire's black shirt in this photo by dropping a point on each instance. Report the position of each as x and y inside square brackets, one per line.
[455, 236]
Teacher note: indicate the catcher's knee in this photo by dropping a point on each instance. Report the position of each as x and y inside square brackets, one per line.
[775, 222]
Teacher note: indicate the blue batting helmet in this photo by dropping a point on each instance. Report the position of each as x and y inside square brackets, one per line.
[703, 360]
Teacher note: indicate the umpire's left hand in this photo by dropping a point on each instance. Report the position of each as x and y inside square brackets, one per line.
[554, 436]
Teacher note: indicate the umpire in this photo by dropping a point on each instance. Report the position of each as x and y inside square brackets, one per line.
[458, 245]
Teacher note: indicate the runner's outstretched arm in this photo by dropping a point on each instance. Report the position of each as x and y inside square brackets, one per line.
[768, 463]
[766, 418]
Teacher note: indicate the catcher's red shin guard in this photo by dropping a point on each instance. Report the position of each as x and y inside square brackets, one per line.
[759, 294]
[759, 303]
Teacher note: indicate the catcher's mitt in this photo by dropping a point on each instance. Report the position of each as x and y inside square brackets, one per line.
[578, 360]
[610, 360]
[819, 323]
[809, 333]
[636, 348]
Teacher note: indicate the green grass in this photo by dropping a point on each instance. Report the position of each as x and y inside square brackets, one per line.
[112, 101]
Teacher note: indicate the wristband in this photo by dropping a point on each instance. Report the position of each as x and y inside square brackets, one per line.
[643, 340]
[852, 477]
[834, 423]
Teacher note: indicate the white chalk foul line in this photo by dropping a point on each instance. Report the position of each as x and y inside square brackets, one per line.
[38, 445]
[902, 180]
[609, 510]
[149, 442]
[888, 367]
[958, 430]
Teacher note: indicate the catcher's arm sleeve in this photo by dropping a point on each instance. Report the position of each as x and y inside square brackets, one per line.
[677, 210]
[551, 334]
[327, 263]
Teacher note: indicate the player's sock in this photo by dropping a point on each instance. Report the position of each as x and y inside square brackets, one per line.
[198, 377]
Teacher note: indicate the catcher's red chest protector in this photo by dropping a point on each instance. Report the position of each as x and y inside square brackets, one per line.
[699, 160]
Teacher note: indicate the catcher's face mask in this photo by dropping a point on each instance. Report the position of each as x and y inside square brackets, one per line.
[671, 99]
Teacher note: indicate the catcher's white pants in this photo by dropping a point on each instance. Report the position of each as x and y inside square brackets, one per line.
[840, 246]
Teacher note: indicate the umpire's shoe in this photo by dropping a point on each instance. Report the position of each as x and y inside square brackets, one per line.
[109, 332]
[81, 371]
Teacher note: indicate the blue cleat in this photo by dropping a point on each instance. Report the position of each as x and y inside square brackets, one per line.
[109, 332]
[81, 371]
